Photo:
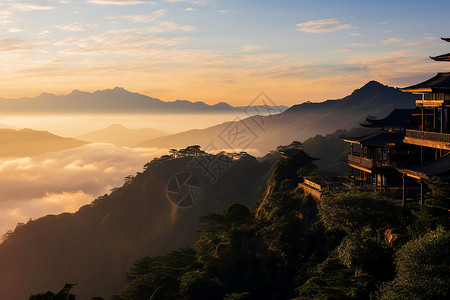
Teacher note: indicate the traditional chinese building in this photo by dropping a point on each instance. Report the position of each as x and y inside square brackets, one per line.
[375, 157]
[411, 145]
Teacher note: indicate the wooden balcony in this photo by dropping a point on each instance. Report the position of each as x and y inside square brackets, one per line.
[367, 164]
[357, 161]
[429, 103]
[428, 139]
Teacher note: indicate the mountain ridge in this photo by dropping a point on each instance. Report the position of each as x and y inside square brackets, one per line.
[117, 100]
[299, 122]
[29, 142]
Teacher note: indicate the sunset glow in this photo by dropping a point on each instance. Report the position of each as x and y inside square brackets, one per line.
[215, 51]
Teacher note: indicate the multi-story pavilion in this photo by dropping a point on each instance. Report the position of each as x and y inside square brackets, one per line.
[411, 145]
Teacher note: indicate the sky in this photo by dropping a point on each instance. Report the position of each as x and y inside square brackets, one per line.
[219, 50]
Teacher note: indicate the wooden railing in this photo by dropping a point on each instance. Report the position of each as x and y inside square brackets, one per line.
[429, 136]
[361, 161]
[368, 162]
[312, 184]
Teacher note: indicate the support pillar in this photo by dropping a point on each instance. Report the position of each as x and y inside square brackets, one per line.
[434, 118]
[448, 119]
[404, 192]
[421, 155]
[421, 192]
[423, 118]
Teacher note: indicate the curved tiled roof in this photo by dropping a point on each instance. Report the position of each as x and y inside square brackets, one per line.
[397, 118]
[379, 138]
[439, 83]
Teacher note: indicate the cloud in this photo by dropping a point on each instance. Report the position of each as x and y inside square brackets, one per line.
[424, 41]
[143, 18]
[250, 48]
[7, 45]
[392, 40]
[358, 44]
[117, 2]
[324, 25]
[16, 29]
[77, 26]
[64, 181]
[30, 6]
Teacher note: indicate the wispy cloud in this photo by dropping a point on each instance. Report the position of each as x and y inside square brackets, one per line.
[251, 48]
[16, 29]
[392, 40]
[151, 17]
[424, 41]
[77, 26]
[14, 45]
[118, 2]
[324, 25]
[30, 6]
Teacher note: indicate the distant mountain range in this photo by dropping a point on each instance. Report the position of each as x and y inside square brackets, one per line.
[121, 136]
[299, 122]
[28, 142]
[118, 100]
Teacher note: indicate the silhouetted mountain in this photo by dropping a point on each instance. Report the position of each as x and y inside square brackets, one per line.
[299, 122]
[121, 136]
[28, 142]
[96, 245]
[331, 150]
[116, 100]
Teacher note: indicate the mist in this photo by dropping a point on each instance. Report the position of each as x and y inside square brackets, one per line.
[64, 181]
[72, 125]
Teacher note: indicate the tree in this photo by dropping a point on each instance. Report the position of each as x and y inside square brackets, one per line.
[63, 294]
[354, 211]
[200, 285]
[423, 269]
[436, 210]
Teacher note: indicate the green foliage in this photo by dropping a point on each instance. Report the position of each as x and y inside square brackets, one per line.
[199, 285]
[63, 294]
[284, 178]
[157, 277]
[238, 296]
[423, 268]
[354, 211]
[363, 253]
[436, 210]
[332, 280]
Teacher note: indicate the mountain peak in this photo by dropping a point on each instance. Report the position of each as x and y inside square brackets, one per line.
[119, 89]
[116, 126]
[77, 92]
[369, 89]
[372, 84]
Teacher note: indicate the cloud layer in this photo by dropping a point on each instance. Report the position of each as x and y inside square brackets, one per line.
[64, 181]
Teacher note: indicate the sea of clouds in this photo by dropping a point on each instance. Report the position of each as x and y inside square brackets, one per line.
[64, 181]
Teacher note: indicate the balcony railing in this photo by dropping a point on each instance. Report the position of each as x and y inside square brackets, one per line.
[360, 161]
[312, 184]
[368, 162]
[428, 136]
